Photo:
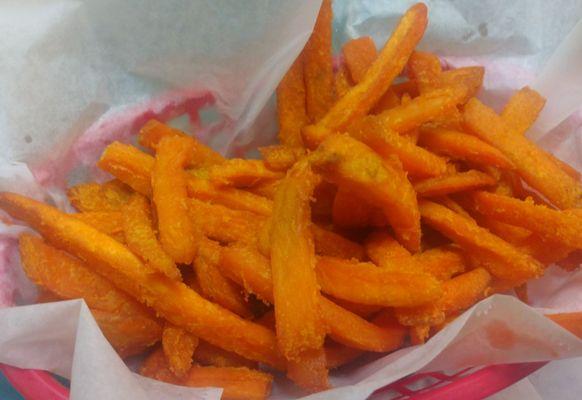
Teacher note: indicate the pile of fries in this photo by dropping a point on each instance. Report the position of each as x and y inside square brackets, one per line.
[390, 206]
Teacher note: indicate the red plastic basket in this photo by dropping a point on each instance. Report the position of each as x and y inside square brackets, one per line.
[467, 384]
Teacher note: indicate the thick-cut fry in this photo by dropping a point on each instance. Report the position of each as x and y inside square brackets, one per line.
[555, 225]
[117, 313]
[108, 222]
[328, 243]
[207, 354]
[110, 196]
[532, 164]
[359, 54]
[424, 69]
[300, 333]
[177, 234]
[461, 146]
[377, 286]
[178, 346]
[291, 105]
[454, 183]
[502, 259]
[351, 164]
[342, 82]
[129, 165]
[362, 97]
[172, 300]
[350, 211]
[280, 157]
[238, 172]
[213, 285]
[152, 133]
[251, 270]
[442, 262]
[224, 224]
[141, 237]
[237, 383]
[337, 355]
[318, 67]
[522, 110]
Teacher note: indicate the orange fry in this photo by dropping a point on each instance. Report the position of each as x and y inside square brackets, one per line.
[454, 183]
[108, 222]
[461, 146]
[376, 286]
[359, 54]
[419, 334]
[337, 355]
[386, 252]
[281, 157]
[470, 78]
[110, 196]
[300, 333]
[506, 262]
[176, 230]
[342, 82]
[318, 67]
[363, 96]
[238, 383]
[353, 165]
[455, 206]
[178, 346]
[555, 225]
[239, 172]
[531, 163]
[363, 310]
[424, 69]
[129, 165]
[251, 270]
[350, 211]
[441, 262]
[213, 285]
[389, 100]
[128, 325]
[172, 300]
[207, 354]
[152, 133]
[155, 366]
[522, 110]
[291, 105]
[141, 237]
[328, 243]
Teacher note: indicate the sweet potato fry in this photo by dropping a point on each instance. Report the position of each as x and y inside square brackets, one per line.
[129, 165]
[108, 222]
[351, 164]
[507, 262]
[419, 334]
[555, 225]
[389, 100]
[516, 235]
[177, 233]
[454, 205]
[350, 211]
[461, 146]
[291, 105]
[239, 172]
[376, 286]
[454, 183]
[223, 224]
[178, 346]
[155, 366]
[359, 54]
[213, 285]
[318, 67]
[442, 262]
[207, 354]
[531, 163]
[68, 278]
[424, 69]
[342, 82]
[470, 78]
[141, 237]
[238, 383]
[572, 262]
[172, 300]
[363, 310]
[328, 243]
[110, 196]
[386, 252]
[152, 133]
[337, 355]
[281, 157]
[300, 333]
[522, 110]
[362, 97]
[251, 270]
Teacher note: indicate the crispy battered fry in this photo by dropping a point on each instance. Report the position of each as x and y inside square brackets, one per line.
[342, 82]
[178, 346]
[350, 211]
[155, 366]
[532, 164]
[471, 78]
[555, 225]
[419, 334]
[207, 354]
[442, 262]
[141, 237]
[502, 259]
[522, 110]
[376, 286]
[108, 222]
[309, 370]
[129, 165]
[328, 243]
[291, 105]
[110, 196]
[281, 157]
[152, 133]
[424, 69]
[386, 252]
[318, 67]
[238, 172]
[337, 355]
[454, 183]
[213, 285]
[351, 164]
[359, 54]
[177, 234]
[461, 146]
[238, 383]
[251, 270]
[172, 300]
[363, 96]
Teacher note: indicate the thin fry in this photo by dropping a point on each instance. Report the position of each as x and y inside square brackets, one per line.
[454, 183]
[129, 165]
[238, 172]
